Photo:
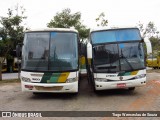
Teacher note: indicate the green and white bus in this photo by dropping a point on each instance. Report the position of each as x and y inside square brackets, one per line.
[50, 61]
[116, 58]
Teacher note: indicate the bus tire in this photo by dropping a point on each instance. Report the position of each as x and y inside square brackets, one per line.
[131, 88]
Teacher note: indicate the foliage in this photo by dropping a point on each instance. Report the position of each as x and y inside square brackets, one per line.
[155, 41]
[11, 32]
[149, 30]
[101, 21]
[66, 19]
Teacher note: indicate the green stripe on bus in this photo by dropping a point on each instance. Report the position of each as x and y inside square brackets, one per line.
[46, 77]
[124, 74]
[128, 73]
[54, 78]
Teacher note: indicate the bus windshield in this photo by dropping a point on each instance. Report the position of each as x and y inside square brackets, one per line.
[115, 35]
[50, 51]
[118, 57]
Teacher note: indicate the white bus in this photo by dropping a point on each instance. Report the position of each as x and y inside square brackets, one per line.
[50, 61]
[116, 59]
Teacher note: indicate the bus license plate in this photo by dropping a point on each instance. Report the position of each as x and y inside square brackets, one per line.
[121, 85]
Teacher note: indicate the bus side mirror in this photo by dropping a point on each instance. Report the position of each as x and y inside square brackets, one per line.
[89, 51]
[148, 46]
[18, 51]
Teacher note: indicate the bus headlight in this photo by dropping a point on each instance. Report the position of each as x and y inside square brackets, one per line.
[25, 79]
[101, 80]
[140, 76]
[70, 80]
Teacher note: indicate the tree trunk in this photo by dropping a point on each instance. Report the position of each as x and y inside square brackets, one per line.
[0, 71]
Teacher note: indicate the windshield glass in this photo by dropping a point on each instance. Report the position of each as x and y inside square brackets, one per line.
[115, 35]
[118, 57]
[106, 58]
[35, 49]
[131, 56]
[53, 51]
[63, 51]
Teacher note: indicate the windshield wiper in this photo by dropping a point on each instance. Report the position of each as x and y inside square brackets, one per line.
[105, 66]
[122, 56]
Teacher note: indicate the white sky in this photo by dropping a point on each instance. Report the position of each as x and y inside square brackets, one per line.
[118, 12]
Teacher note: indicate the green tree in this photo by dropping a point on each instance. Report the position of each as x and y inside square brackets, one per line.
[149, 30]
[155, 41]
[66, 19]
[101, 21]
[11, 33]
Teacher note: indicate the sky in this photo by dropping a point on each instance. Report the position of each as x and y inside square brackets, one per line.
[118, 12]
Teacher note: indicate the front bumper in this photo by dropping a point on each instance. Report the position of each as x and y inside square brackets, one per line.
[113, 84]
[52, 88]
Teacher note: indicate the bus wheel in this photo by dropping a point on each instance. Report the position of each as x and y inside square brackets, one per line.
[131, 88]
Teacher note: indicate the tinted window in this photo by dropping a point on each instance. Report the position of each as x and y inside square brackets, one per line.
[54, 51]
[63, 51]
[35, 51]
[115, 36]
[118, 57]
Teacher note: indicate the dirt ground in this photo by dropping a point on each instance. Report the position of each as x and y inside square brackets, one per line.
[146, 98]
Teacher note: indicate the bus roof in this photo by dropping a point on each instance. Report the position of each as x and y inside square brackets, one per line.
[53, 29]
[111, 28]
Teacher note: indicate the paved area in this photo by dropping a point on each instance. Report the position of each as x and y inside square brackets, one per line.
[146, 98]
[8, 76]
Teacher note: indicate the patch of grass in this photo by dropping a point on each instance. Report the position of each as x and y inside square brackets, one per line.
[10, 81]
